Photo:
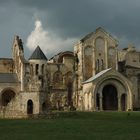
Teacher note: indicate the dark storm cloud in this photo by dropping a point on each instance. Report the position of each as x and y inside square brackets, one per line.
[77, 17]
[71, 18]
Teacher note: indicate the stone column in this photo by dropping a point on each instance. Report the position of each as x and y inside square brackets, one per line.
[119, 103]
[101, 102]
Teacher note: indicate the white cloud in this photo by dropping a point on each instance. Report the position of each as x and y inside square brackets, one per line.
[48, 43]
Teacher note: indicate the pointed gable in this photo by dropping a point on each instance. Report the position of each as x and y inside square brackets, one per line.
[99, 29]
[38, 54]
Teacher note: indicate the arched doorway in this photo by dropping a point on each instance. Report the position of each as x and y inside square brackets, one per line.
[30, 107]
[7, 96]
[123, 102]
[110, 100]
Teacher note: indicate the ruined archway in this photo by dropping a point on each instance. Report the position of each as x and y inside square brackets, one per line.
[110, 100]
[7, 96]
[29, 107]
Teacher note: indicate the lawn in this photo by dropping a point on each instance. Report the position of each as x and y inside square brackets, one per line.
[75, 126]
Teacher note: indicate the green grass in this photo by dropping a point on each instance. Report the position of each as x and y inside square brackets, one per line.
[75, 126]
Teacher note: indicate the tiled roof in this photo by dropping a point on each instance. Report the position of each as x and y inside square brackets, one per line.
[8, 78]
[96, 76]
[38, 54]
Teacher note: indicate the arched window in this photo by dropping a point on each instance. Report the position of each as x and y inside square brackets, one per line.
[100, 53]
[100, 45]
[7, 96]
[36, 69]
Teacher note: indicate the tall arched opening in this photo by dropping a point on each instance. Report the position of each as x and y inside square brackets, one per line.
[7, 96]
[29, 107]
[110, 99]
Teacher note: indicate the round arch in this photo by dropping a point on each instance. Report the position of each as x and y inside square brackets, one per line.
[29, 107]
[7, 95]
[109, 80]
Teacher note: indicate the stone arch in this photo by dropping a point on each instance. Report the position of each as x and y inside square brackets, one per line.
[88, 62]
[64, 54]
[29, 107]
[7, 95]
[125, 88]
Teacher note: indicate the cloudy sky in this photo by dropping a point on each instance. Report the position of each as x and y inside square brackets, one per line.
[55, 25]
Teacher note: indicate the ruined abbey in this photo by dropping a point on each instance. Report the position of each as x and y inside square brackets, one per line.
[97, 76]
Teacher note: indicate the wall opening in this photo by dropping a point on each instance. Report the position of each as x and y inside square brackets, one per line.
[110, 100]
[37, 69]
[44, 107]
[30, 107]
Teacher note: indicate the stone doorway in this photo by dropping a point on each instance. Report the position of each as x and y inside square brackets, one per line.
[110, 100]
[123, 102]
[7, 96]
[30, 107]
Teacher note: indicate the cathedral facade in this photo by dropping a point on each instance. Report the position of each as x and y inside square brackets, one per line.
[97, 76]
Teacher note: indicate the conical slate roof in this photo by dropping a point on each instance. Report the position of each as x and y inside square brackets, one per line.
[38, 54]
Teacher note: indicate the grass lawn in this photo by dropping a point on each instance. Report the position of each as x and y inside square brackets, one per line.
[75, 126]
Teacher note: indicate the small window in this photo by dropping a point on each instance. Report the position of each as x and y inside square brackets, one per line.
[37, 69]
